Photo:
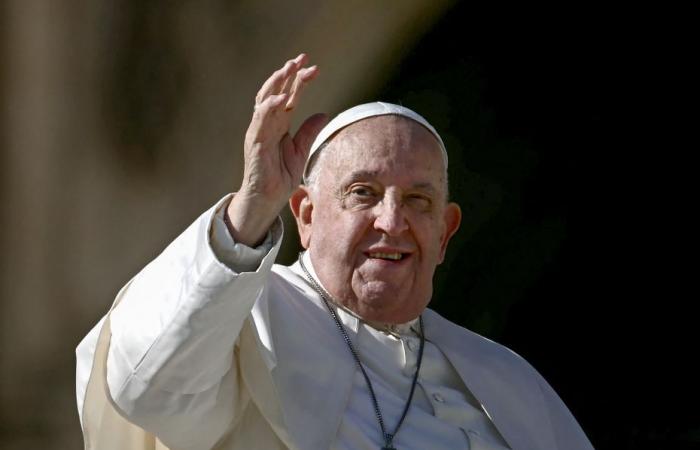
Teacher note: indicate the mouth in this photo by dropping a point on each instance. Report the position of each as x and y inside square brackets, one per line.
[388, 256]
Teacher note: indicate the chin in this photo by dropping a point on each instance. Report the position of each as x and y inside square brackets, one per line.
[378, 293]
[381, 301]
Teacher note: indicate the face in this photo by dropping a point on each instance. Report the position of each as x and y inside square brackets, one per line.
[377, 221]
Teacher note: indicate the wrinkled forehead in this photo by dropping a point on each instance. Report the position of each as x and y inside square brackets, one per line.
[378, 144]
[364, 116]
[389, 149]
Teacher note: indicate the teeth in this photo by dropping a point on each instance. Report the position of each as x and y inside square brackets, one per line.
[392, 256]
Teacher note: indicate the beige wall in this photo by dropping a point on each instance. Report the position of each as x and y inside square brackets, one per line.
[88, 198]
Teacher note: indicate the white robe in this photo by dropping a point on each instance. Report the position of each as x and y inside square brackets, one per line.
[204, 357]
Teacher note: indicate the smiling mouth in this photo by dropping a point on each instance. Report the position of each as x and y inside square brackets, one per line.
[388, 256]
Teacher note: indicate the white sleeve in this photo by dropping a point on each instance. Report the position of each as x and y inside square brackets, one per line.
[238, 257]
[169, 366]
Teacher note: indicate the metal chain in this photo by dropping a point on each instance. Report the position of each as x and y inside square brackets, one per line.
[388, 437]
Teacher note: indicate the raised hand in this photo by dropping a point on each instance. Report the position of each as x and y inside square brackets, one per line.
[274, 161]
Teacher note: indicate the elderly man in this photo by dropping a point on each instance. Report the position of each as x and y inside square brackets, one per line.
[212, 345]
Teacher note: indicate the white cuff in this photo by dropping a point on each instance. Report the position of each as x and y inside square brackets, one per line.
[239, 257]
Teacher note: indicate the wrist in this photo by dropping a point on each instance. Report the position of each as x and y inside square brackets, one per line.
[249, 218]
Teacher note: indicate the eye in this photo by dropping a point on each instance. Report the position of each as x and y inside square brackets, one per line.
[419, 201]
[360, 195]
[362, 191]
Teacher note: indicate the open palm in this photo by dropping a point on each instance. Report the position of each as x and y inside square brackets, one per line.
[274, 160]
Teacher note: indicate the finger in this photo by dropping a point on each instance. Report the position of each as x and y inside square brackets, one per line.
[303, 77]
[296, 155]
[271, 103]
[275, 83]
[289, 82]
[307, 133]
[264, 112]
[301, 59]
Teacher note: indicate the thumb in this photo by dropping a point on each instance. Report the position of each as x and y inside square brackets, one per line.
[307, 133]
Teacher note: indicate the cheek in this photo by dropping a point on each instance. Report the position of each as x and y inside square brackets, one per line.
[430, 238]
[350, 226]
[337, 234]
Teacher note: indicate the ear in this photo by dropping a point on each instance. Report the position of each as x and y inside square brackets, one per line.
[302, 207]
[452, 218]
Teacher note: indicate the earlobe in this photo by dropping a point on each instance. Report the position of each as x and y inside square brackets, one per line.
[453, 218]
[302, 208]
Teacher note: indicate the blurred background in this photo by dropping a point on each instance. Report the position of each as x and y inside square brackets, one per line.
[122, 121]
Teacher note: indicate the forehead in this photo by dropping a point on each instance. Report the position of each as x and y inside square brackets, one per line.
[385, 143]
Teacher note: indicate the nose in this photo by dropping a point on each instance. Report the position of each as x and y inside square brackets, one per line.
[390, 218]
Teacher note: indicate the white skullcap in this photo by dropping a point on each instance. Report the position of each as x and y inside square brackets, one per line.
[364, 111]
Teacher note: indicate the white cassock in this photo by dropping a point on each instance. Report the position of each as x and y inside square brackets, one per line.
[212, 345]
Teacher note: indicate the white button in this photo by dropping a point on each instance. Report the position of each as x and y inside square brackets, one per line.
[438, 398]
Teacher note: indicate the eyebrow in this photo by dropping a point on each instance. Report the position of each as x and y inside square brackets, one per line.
[425, 186]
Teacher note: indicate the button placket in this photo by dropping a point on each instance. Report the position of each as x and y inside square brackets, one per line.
[410, 356]
[411, 345]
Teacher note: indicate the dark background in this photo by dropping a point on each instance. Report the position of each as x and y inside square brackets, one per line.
[567, 207]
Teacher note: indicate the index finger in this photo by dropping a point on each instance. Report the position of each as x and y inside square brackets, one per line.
[303, 76]
[275, 83]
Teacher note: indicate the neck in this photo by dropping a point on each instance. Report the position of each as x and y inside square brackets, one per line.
[389, 328]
